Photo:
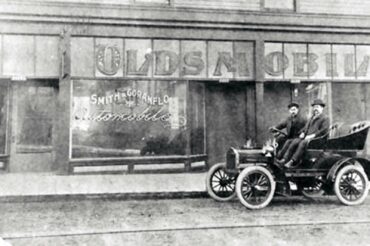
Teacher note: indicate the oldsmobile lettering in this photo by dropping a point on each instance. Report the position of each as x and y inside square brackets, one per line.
[326, 61]
[109, 60]
[190, 64]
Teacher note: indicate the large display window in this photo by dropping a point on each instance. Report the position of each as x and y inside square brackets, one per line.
[134, 118]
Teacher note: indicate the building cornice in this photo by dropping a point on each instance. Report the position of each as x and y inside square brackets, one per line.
[128, 15]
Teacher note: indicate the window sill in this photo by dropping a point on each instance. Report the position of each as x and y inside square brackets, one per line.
[33, 149]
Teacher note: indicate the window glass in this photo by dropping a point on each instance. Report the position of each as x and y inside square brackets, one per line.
[3, 116]
[279, 4]
[133, 118]
[153, 1]
[35, 111]
[349, 104]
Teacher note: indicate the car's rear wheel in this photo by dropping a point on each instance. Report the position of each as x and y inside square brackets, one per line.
[351, 185]
[220, 185]
[255, 187]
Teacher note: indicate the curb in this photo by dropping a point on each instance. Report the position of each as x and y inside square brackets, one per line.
[105, 196]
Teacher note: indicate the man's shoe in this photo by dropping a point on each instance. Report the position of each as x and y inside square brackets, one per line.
[289, 164]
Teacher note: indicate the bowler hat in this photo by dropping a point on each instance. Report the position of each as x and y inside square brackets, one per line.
[293, 104]
[318, 102]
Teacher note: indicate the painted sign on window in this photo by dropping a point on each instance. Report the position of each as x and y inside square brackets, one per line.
[135, 105]
[121, 118]
[316, 61]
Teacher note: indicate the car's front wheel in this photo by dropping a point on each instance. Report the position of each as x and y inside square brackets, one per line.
[220, 185]
[255, 187]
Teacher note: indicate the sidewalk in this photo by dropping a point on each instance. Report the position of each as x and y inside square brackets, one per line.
[40, 186]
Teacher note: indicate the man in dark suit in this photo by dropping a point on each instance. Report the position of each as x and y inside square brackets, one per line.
[293, 125]
[317, 126]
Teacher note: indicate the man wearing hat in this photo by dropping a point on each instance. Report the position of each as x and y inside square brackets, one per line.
[293, 125]
[317, 126]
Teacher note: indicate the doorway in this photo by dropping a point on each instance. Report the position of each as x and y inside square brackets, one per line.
[32, 114]
[225, 119]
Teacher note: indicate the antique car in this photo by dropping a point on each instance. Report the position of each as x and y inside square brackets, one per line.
[330, 165]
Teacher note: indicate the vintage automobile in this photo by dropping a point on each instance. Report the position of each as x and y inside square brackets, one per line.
[330, 165]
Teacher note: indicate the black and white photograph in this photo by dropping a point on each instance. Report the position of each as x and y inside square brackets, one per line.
[184, 122]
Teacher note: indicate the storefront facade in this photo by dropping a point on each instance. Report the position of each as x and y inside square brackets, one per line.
[165, 87]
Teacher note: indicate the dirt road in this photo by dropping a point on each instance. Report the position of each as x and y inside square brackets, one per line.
[185, 222]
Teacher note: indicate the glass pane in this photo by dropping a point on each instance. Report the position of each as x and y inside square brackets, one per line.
[275, 62]
[153, 1]
[35, 110]
[320, 56]
[343, 59]
[3, 116]
[362, 62]
[18, 55]
[128, 118]
[279, 4]
[348, 103]
[220, 59]
[197, 139]
[297, 55]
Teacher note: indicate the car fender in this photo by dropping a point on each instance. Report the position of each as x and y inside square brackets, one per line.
[342, 162]
[334, 169]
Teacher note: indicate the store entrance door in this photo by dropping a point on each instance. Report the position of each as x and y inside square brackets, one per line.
[225, 119]
[32, 118]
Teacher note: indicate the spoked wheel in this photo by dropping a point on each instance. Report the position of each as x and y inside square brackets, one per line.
[255, 187]
[351, 185]
[313, 190]
[220, 185]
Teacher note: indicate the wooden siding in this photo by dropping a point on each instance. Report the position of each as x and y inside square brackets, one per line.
[211, 4]
[219, 4]
[348, 7]
[91, 1]
[117, 2]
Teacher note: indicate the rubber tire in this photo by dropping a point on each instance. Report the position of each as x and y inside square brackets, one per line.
[210, 191]
[239, 182]
[337, 180]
